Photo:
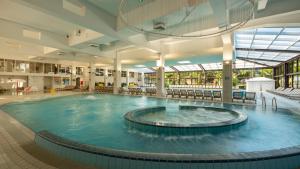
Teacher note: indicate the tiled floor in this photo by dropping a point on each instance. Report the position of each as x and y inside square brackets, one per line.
[18, 150]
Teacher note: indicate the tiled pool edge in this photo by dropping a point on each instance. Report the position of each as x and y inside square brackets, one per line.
[286, 158]
[163, 128]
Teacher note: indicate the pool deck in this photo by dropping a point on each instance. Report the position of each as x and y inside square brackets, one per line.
[17, 147]
[18, 150]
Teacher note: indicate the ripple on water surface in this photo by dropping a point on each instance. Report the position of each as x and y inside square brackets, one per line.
[98, 120]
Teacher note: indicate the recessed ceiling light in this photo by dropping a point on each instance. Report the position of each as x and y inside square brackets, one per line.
[184, 62]
[96, 56]
[31, 57]
[94, 45]
[140, 66]
[32, 34]
[60, 53]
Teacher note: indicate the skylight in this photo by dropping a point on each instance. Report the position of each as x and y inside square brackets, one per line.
[212, 66]
[187, 67]
[265, 43]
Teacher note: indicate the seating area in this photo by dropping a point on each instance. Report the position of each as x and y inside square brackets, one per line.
[66, 88]
[237, 96]
[290, 93]
[101, 89]
[150, 91]
[135, 91]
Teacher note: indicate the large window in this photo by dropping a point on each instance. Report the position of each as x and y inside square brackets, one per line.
[123, 74]
[22, 66]
[99, 72]
[110, 73]
[131, 74]
[48, 68]
[2, 65]
[79, 70]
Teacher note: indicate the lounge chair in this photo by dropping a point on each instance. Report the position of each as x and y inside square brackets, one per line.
[176, 92]
[250, 96]
[207, 94]
[190, 93]
[183, 93]
[237, 96]
[138, 91]
[217, 95]
[199, 94]
[148, 91]
[153, 91]
[169, 93]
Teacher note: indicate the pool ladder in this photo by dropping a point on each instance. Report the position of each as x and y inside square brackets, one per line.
[263, 102]
[274, 104]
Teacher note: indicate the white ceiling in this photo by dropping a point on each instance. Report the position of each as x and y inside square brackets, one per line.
[54, 23]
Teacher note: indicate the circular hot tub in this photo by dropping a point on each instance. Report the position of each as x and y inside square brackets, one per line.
[187, 120]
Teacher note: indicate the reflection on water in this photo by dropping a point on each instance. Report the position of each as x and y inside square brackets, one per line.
[188, 117]
[98, 120]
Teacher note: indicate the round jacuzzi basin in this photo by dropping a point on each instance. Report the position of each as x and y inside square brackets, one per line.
[185, 120]
[188, 117]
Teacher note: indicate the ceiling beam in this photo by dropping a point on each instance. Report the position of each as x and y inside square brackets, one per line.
[260, 59]
[254, 62]
[261, 4]
[200, 65]
[12, 30]
[174, 68]
[268, 50]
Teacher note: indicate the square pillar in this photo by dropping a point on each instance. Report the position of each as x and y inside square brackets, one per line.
[105, 76]
[91, 77]
[160, 76]
[117, 75]
[227, 68]
[227, 81]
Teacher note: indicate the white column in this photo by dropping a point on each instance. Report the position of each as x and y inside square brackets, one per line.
[91, 76]
[73, 76]
[105, 77]
[117, 75]
[127, 78]
[143, 79]
[227, 67]
[160, 76]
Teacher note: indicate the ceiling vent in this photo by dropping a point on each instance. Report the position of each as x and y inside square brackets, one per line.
[32, 34]
[159, 26]
[94, 45]
[77, 9]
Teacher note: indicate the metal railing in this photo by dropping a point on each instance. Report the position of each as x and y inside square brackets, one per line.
[274, 104]
[263, 102]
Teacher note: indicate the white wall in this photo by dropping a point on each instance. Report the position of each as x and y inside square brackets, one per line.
[253, 86]
[36, 83]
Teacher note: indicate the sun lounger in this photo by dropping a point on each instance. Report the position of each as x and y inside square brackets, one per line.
[183, 93]
[176, 92]
[199, 94]
[250, 96]
[217, 95]
[237, 96]
[169, 93]
[207, 94]
[190, 93]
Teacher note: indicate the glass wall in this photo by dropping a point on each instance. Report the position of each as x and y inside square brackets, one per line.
[208, 79]
[287, 74]
[240, 76]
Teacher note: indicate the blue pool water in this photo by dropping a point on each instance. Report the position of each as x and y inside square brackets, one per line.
[98, 120]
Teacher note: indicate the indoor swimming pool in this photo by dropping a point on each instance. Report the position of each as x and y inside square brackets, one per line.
[98, 121]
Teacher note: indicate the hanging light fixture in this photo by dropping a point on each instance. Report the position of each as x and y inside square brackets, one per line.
[183, 18]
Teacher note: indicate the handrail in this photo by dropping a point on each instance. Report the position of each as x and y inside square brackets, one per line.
[263, 100]
[274, 103]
